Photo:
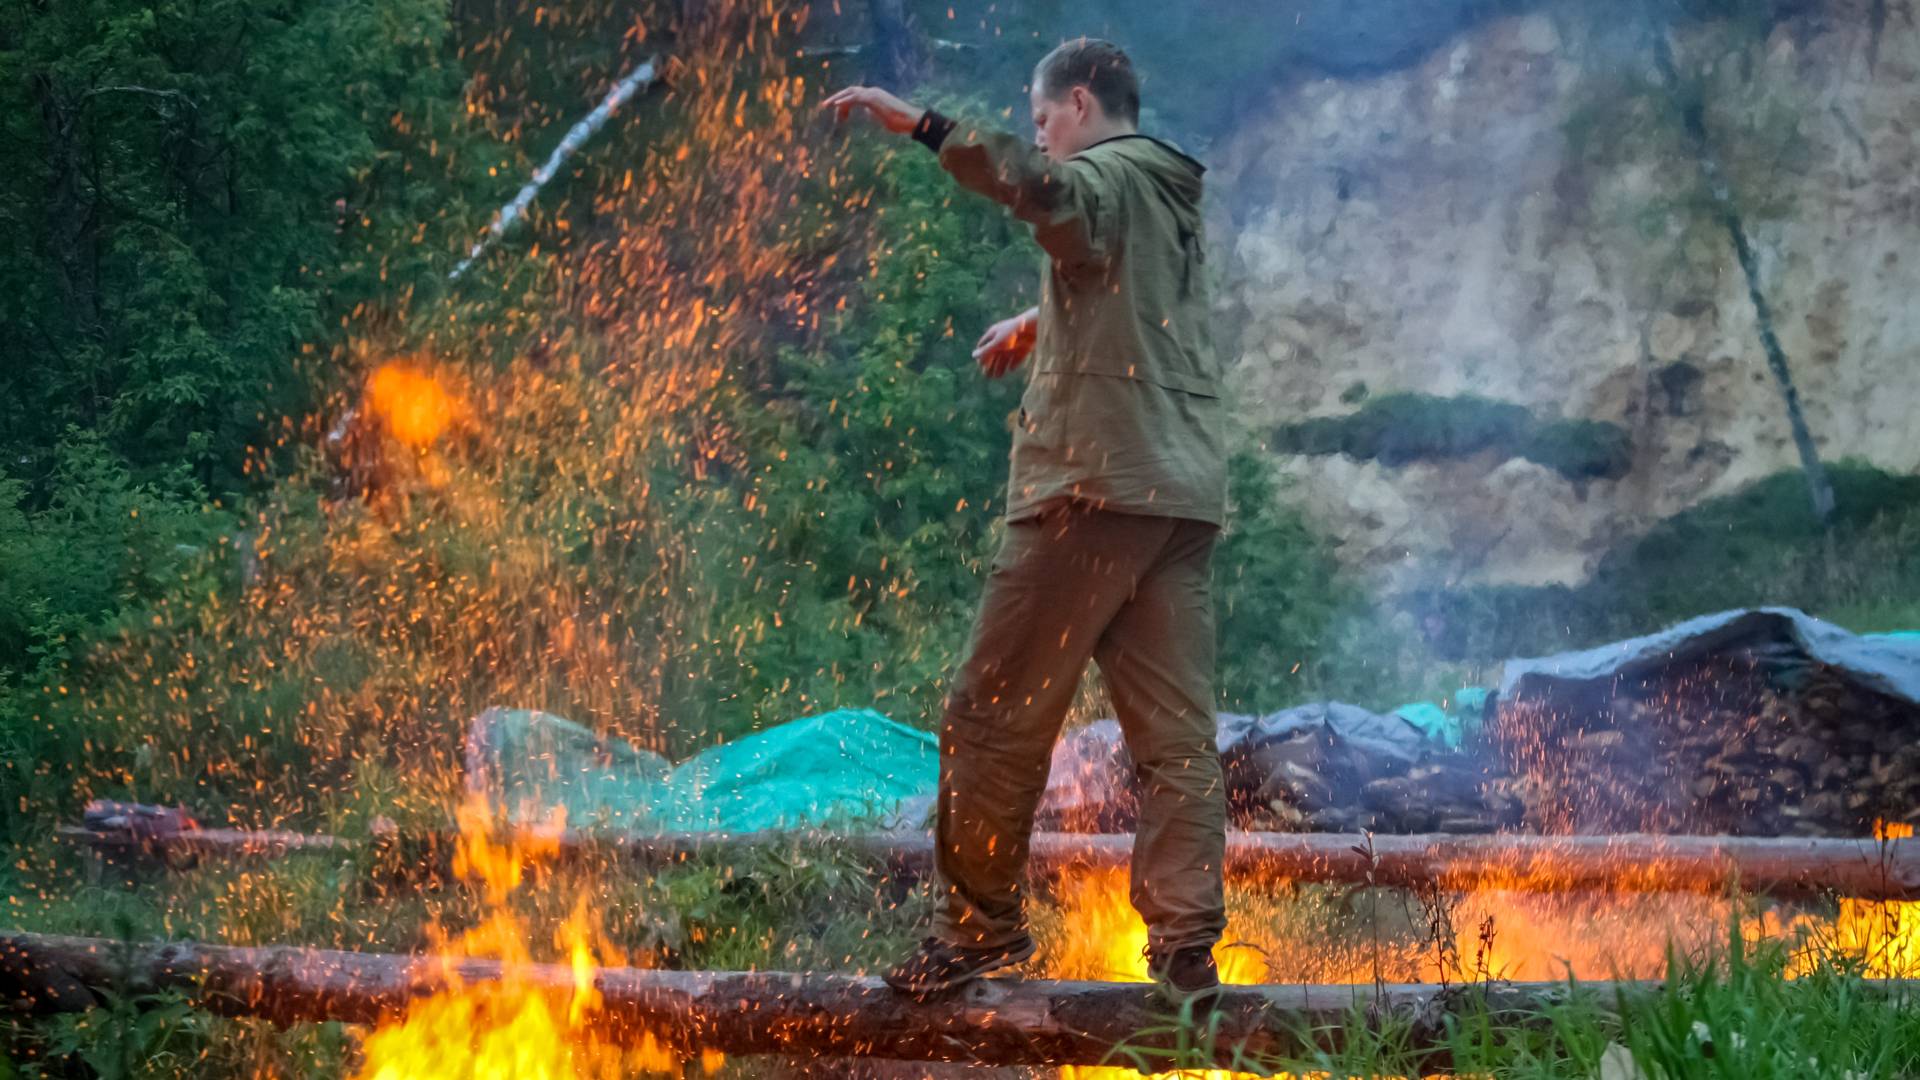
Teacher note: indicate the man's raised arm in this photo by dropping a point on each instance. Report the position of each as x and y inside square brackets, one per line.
[1066, 202]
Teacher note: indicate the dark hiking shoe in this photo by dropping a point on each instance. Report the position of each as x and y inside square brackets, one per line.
[1185, 975]
[936, 965]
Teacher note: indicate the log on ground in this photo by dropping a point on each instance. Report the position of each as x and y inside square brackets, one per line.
[1788, 867]
[1798, 867]
[996, 1021]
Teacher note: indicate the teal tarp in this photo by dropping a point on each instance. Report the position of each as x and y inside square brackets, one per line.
[1448, 726]
[835, 768]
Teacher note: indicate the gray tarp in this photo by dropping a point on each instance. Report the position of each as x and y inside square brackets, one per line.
[1886, 663]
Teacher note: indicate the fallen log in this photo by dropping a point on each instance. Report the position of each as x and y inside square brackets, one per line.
[1787, 867]
[997, 1021]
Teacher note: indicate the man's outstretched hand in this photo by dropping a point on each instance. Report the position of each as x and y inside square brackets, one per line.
[1006, 344]
[891, 113]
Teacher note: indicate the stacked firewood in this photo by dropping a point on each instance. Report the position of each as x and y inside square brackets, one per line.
[1339, 768]
[1760, 741]
[1450, 795]
[1316, 768]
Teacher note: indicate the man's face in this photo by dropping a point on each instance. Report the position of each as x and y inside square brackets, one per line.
[1062, 126]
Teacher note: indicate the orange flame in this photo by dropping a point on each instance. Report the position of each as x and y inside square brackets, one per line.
[1279, 934]
[413, 405]
[1880, 939]
[517, 1027]
[1107, 942]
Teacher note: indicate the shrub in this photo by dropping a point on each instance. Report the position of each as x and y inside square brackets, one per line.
[1399, 429]
[1581, 449]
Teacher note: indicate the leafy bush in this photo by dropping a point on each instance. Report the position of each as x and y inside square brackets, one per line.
[1280, 597]
[1580, 449]
[1399, 429]
[197, 194]
[102, 545]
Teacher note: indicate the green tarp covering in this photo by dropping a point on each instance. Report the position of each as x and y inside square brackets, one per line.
[850, 766]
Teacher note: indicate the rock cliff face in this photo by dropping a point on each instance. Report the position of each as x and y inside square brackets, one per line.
[1518, 216]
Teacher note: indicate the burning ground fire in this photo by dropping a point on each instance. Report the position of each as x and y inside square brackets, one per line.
[515, 1028]
[1279, 932]
[1282, 933]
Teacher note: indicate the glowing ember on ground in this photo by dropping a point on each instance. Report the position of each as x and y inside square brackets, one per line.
[516, 1028]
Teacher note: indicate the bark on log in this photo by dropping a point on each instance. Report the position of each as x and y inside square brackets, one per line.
[1631, 862]
[998, 1021]
[1628, 862]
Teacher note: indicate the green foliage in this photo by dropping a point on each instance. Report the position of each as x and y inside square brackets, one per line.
[782, 908]
[1760, 546]
[1399, 429]
[201, 190]
[133, 1036]
[1734, 1013]
[1279, 593]
[103, 543]
[201, 195]
[1580, 449]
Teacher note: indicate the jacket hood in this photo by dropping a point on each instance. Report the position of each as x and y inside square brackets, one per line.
[1160, 159]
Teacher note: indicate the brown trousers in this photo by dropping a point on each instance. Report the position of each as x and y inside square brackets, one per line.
[1133, 593]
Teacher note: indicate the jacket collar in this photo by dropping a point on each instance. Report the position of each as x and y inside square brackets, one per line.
[1162, 143]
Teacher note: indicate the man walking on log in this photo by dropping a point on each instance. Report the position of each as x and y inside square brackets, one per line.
[1116, 494]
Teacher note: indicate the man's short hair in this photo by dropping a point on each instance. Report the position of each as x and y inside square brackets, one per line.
[1100, 66]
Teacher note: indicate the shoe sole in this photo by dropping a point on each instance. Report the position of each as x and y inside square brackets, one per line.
[1015, 955]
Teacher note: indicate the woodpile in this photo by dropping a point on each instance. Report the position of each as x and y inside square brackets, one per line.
[1756, 741]
[1316, 781]
[1326, 767]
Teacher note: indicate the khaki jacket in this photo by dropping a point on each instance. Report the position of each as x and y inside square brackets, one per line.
[1122, 407]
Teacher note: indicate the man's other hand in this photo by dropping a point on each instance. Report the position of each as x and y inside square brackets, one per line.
[1005, 344]
[891, 113]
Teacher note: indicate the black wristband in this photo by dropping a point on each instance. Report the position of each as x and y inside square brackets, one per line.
[932, 130]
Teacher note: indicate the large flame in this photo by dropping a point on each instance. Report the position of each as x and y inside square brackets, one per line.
[516, 1028]
[1106, 940]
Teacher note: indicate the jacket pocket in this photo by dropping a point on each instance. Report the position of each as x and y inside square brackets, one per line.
[1043, 411]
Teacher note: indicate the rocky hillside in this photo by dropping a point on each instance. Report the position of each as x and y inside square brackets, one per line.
[1517, 219]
